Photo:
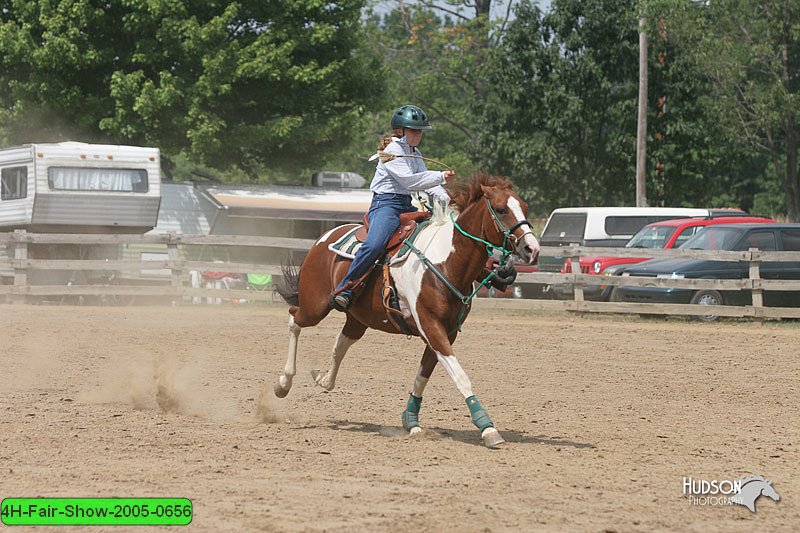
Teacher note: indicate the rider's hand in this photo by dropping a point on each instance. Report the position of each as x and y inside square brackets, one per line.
[448, 175]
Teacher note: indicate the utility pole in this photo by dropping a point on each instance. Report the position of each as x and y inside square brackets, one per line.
[641, 130]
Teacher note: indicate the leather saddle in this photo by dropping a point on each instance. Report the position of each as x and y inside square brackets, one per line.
[408, 223]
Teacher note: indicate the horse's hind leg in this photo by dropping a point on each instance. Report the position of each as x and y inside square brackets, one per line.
[351, 332]
[411, 414]
[284, 383]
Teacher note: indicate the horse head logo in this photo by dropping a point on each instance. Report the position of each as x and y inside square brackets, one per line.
[752, 488]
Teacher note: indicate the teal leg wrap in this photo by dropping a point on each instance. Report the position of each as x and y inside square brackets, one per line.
[411, 414]
[479, 417]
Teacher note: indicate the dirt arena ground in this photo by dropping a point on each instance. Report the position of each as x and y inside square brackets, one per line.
[604, 417]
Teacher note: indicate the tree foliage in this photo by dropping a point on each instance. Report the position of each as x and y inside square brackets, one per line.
[436, 54]
[750, 52]
[560, 114]
[691, 158]
[261, 87]
[235, 84]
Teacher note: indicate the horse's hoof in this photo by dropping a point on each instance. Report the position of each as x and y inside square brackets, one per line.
[492, 439]
[279, 390]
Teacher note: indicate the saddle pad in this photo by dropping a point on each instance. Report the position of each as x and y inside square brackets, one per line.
[347, 244]
[405, 250]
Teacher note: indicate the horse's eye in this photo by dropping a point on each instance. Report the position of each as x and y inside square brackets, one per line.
[502, 210]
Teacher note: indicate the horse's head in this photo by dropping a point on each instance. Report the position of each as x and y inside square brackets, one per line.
[503, 214]
[509, 220]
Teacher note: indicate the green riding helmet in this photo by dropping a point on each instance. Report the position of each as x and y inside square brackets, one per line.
[411, 117]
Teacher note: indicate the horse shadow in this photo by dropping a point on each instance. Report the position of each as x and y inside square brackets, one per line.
[465, 436]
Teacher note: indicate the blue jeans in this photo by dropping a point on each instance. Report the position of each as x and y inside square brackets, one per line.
[384, 219]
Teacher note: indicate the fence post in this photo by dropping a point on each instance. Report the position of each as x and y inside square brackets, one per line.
[755, 276]
[174, 257]
[20, 271]
[577, 287]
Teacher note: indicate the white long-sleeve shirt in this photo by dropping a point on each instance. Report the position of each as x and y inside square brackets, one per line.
[402, 175]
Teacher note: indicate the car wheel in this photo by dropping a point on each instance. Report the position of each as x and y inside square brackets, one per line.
[707, 298]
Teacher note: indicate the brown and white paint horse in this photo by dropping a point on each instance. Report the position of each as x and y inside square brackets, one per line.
[484, 211]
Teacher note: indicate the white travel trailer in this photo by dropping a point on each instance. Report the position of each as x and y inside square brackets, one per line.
[73, 187]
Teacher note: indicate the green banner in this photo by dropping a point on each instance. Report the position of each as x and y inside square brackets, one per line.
[96, 511]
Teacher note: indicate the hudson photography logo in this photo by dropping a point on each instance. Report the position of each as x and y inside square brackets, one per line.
[743, 491]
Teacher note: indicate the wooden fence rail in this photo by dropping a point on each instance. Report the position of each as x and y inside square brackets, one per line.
[174, 283]
[753, 283]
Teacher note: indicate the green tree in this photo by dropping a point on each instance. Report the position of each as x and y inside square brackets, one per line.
[560, 116]
[750, 51]
[691, 158]
[242, 84]
[435, 54]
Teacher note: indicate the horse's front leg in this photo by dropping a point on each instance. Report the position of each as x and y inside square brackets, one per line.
[436, 337]
[284, 383]
[351, 332]
[491, 437]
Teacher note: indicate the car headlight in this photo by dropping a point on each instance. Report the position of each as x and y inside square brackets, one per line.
[597, 266]
[612, 270]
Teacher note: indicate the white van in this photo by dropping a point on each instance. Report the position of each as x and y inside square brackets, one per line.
[607, 226]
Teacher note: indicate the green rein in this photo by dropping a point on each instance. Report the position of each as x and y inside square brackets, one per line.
[490, 249]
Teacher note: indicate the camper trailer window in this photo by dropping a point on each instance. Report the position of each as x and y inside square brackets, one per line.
[13, 183]
[97, 179]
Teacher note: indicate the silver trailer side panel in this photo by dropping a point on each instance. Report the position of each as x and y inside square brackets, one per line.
[104, 209]
[17, 212]
[108, 211]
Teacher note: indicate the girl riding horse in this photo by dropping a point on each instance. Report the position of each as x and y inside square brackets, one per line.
[392, 185]
[434, 285]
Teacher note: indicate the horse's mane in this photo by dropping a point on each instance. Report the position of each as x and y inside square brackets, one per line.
[464, 193]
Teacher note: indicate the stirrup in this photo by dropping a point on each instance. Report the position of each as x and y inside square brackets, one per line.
[341, 302]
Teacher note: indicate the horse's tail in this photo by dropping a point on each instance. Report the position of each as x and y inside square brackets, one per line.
[289, 288]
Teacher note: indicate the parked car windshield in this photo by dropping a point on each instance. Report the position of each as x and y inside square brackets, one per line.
[714, 238]
[651, 237]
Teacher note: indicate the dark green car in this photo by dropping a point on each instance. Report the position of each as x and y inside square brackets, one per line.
[730, 237]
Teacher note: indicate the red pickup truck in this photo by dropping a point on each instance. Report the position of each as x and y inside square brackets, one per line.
[665, 234]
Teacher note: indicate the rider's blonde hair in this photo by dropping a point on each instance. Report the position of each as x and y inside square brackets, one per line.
[384, 142]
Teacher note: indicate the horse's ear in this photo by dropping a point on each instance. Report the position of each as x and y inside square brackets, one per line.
[487, 191]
